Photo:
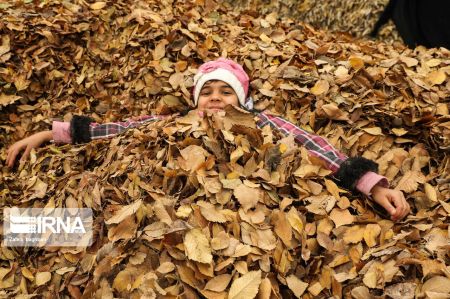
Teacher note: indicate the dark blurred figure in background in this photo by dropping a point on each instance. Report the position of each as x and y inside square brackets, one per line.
[419, 22]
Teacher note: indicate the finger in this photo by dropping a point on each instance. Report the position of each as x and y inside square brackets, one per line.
[407, 209]
[405, 206]
[7, 156]
[12, 156]
[385, 203]
[26, 153]
[399, 204]
[9, 152]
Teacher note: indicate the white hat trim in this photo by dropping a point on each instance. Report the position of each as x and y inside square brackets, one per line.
[219, 74]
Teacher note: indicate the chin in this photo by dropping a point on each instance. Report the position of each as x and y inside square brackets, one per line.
[214, 109]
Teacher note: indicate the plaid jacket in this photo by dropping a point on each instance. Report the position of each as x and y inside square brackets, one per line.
[316, 145]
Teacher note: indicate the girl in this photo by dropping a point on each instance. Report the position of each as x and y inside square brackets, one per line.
[217, 84]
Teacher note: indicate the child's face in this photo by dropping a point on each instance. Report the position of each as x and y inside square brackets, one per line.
[215, 95]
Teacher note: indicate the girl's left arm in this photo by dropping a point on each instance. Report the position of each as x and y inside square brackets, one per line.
[356, 173]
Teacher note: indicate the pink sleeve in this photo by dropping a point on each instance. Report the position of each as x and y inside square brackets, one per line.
[61, 132]
[370, 179]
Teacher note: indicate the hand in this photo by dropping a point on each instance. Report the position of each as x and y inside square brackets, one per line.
[393, 201]
[28, 144]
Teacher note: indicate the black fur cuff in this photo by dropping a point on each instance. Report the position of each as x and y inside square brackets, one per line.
[352, 170]
[79, 129]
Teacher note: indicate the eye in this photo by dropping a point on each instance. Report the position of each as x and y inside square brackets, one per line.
[227, 92]
[205, 92]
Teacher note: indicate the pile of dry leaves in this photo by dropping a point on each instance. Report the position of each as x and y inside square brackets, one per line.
[214, 207]
[357, 17]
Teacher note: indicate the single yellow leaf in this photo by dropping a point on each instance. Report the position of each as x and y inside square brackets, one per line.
[333, 112]
[371, 232]
[248, 197]
[124, 212]
[370, 279]
[315, 289]
[297, 286]
[98, 5]
[354, 234]
[446, 206]
[218, 283]
[399, 131]
[283, 148]
[210, 212]
[338, 260]
[409, 61]
[373, 131]
[433, 62]
[233, 175]
[184, 211]
[265, 289]
[124, 280]
[166, 267]
[265, 38]
[356, 62]
[27, 273]
[410, 181]
[160, 49]
[42, 278]
[246, 286]
[294, 220]
[431, 193]
[321, 87]
[197, 246]
[341, 217]
[332, 188]
[436, 77]
[437, 284]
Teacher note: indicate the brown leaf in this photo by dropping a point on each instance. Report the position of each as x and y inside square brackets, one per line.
[97, 5]
[333, 112]
[436, 77]
[341, 217]
[219, 283]
[6, 100]
[248, 197]
[321, 87]
[42, 278]
[124, 212]
[160, 50]
[371, 232]
[410, 181]
[197, 246]
[356, 62]
[246, 286]
[297, 286]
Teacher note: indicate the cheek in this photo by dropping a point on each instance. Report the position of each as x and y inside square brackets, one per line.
[233, 100]
[201, 102]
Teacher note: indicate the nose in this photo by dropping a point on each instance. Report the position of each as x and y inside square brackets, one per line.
[215, 96]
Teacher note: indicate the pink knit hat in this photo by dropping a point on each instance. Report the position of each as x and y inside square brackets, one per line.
[225, 70]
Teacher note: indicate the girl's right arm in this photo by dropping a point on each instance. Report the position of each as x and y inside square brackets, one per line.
[80, 129]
